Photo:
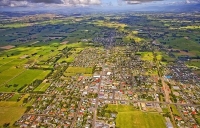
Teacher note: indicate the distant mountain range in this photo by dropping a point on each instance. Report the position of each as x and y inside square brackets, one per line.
[87, 10]
[177, 8]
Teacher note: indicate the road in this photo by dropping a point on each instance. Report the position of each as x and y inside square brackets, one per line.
[75, 117]
[97, 100]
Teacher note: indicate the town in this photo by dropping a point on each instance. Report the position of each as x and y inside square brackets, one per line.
[117, 78]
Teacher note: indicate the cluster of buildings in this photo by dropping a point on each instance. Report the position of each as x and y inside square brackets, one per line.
[81, 101]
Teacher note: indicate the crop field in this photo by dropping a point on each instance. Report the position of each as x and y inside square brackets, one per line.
[7, 75]
[25, 77]
[42, 87]
[128, 117]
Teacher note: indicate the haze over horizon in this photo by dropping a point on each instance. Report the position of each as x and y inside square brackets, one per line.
[35, 5]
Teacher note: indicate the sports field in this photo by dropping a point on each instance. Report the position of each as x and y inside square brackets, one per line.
[128, 117]
[79, 70]
[42, 87]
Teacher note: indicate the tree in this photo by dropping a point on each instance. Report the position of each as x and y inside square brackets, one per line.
[5, 125]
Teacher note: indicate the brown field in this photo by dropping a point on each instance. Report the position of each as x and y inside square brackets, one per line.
[65, 42]
[7, 47]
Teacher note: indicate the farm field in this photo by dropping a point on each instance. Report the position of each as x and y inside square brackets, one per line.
[24, 78]
[118, 70]
[11, 114]
[6, 75]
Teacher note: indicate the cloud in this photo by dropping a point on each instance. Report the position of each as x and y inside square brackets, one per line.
[192, 1]
[14, 3]
[139, 1]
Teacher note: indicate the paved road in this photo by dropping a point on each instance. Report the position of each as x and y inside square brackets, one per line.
[97, 100]
[157, 102]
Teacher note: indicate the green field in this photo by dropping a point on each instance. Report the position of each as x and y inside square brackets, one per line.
[128, 117]
[69, 59]
[11, 114]
[148, 56]
[42, 87]
[174, 110]
[184, 44]
[26, 77]
[79, 70]
[15, 97]
[7, 75]
[120, 108]
[193, 63]
[11, 111]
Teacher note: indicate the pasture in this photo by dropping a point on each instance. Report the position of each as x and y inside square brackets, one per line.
[24, 78]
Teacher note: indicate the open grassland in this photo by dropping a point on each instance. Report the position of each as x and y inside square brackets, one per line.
[42, 87]
[79, 70]
[128, 117]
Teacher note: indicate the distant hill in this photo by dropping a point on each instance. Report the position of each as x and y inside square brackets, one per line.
[177, 8]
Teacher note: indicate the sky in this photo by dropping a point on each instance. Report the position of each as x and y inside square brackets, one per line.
[34, 4]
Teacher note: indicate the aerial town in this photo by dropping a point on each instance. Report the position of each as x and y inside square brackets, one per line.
[122, 70]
